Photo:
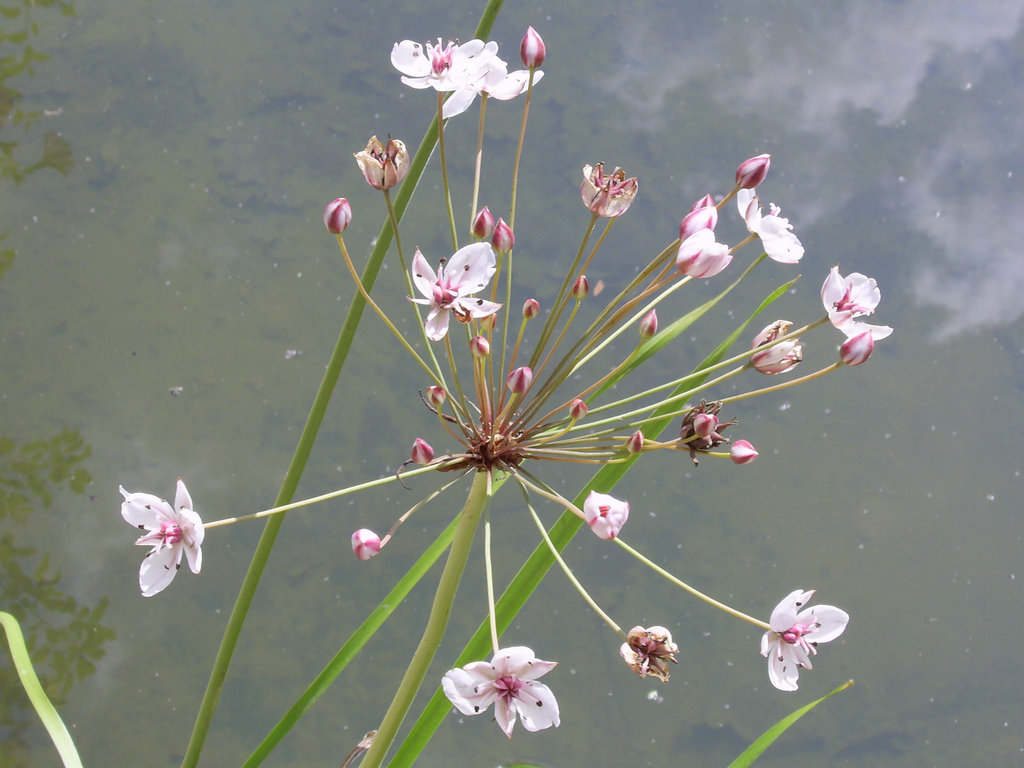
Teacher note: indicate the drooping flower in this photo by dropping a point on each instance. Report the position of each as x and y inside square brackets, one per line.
[846, 298]
[509, 681]
[464, 70]
[648, 651]
[776, 233]
[699, 255]
[794, 637]
[171, 531]
[776, 358]
[605, 514]
[451, 289]
[607, 194]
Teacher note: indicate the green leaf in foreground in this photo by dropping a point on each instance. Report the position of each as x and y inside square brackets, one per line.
[30, 682]
[751, 753]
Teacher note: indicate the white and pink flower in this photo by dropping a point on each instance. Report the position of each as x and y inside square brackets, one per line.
[850, 297]
[796, 634]
[776, 233]
[509, 682]
[450, 290]
[171, 531]
[605, 514]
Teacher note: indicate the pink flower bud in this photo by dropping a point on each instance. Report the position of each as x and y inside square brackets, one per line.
[778, 357]
[577, 409]
[337, 216]
[649, 324]
[635, 443]
[483, 224]
[857, 349]
[580, 288]
[531, 308]
[698, 219]
[705, 424]
[519, 380]
[421, 453]
[605, 514]
[436, 395]
[742, 452]
[365, 543]
[532, 49]
[705, 202]
[502, 239]
[700, 256]
[752, 171]
[479, 346]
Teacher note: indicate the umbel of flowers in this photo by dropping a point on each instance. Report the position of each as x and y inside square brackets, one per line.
[515, 382]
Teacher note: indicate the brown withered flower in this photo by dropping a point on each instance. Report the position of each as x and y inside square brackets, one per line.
[648, 651]
[701, 430]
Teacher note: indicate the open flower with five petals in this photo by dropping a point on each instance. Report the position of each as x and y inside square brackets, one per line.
[776, 233]
[451, 288]
[171, 531]
[509, 681]
[794, 636]
[850, 297]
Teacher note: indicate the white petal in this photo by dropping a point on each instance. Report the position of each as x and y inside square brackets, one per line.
[832, 623]
[505, 716]
[458, 102]
[512, 85]
[194, 555]
[145, 510]
[785, 613]
[854, 328]
[436, 324]
[409, 59]
[514, 660]
[782, 669]
[182, 500]
[833, 289]
[476, 308]
[470, 693]
[423, 275]
[537, 706]
[470, 268]
[158, 570]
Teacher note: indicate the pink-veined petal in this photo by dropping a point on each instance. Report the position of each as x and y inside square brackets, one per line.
[782, 670]
[505, 716]
[785, 614]
[470, 268]
[144, 509]
[182, 499]
[831, 622]
[423, 276]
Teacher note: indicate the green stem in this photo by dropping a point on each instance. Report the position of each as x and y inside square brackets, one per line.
[437, 622]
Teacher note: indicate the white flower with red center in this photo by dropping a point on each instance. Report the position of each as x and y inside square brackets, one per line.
[850, 297]
[795, 635]
[171, 531]
[509, 681]
[605, 514]
[465, 70]
[776, 233]
[450, 290]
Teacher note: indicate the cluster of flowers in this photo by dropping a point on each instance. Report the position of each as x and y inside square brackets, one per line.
[510, 425]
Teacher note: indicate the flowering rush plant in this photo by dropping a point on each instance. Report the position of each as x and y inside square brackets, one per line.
[516, 381]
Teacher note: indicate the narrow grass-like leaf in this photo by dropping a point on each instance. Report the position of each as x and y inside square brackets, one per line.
[30, 682]
[751, 753]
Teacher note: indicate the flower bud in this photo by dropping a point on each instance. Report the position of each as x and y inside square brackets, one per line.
[752, 171]
[532, 49]
[580, 288]
[771, 332]
[700, 256]
[479, 346]
[519, 380]
[742, 452]
[778, 358]
[635, 443]
[649, 324]
[605, 514]
[487, 323]
[698, 219]
[483, 224]
[705, 202]
[365, 543]
[531, 308]
[705, 424]
[436, 395]
[857, 349]
[577, 409]
[383, 166]
[337, 216]
[607, 195]
[502, 239]
[421, 453]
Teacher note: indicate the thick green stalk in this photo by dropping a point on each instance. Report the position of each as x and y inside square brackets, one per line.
[437, 622]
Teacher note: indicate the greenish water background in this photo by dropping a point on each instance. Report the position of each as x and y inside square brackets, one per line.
[184, 248]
